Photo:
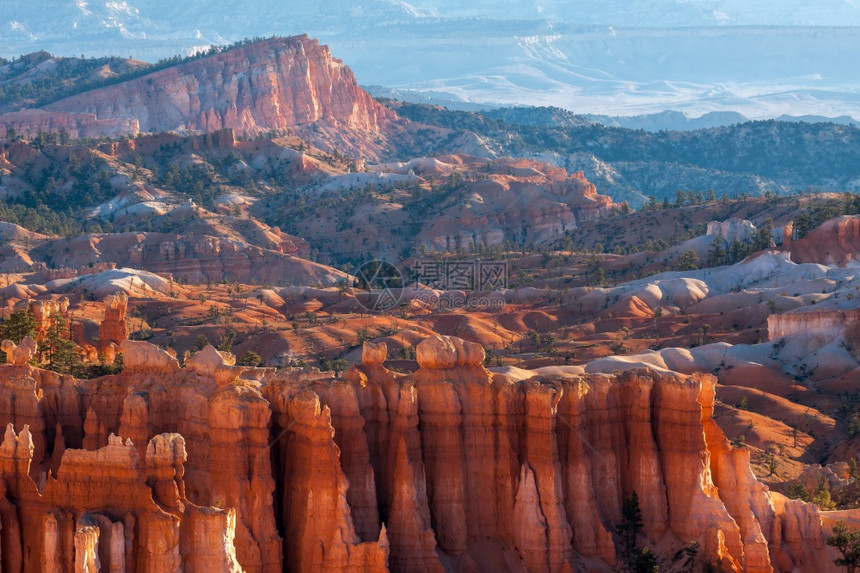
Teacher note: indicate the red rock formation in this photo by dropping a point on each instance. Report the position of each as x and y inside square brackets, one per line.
[77, 124]
[119, 524]
[188, 258]
[274, 84]
[830, 323]
[515, 479]
[835, 242]
[225, 430]
[521, 200]
[19, 354]
[450, 468]
[43, 312]
[113, 328]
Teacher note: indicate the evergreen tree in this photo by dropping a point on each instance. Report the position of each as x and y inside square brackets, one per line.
[821, 496]
[691, 551]
[847, 542]
[629, 526]
[226, 340]
[18, 325]
[738, 251]
[798, 491]
[762, 238]
[652, 203]
[250, 358]
[717, 254]
[803, 225]
[58, 350]
[646, 562]
[689, 261]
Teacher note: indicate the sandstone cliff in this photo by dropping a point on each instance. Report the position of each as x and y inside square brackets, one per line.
[216, 467]
[187, 258]
[114, 329]
[75, 123]
[825, 323]
[276, 84]
[835, 242]
[523, 201]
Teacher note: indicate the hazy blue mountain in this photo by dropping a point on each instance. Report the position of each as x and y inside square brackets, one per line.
[615, 57]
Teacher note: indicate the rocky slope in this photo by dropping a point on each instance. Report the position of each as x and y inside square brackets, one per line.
[836, 242]
[448, 203]
[217, 206]
[186, 258]
[218, 467]
[275, 84]
[752, 157]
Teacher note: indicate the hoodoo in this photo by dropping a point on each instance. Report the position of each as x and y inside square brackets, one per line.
[450, 467]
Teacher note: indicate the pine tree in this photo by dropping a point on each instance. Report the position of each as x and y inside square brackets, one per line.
[798, 491]
[652, 203]
[646, 562]
[689, 261]
[762, 238]
[250, 358]
[738, 251]
[18, 325]
[60, 353]
[803, 225]
[691, 551]
[629, 526]
[821, 496]
[848, 544]
[717, 253]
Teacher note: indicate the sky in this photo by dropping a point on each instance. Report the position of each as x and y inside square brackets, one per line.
[761, 58]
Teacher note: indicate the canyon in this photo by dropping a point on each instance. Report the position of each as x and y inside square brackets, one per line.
[212, 207]
[213, 466]
[194, 380]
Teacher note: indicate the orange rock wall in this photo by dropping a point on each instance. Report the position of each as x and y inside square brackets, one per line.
[822, 322]
[274, 84]
[835, 242]
[450, 468]
[113, 329]
[186, 258]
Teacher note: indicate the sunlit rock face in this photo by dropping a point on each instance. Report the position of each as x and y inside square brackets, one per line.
[215, 467]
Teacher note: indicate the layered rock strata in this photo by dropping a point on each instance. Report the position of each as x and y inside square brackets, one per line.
[187, 258]
[452, 468]
[275, 84]
[114, 329]
[835, 242]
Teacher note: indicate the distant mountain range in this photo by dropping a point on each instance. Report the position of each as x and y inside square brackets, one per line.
[761, 60]
[295, 87]
[669, 120]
